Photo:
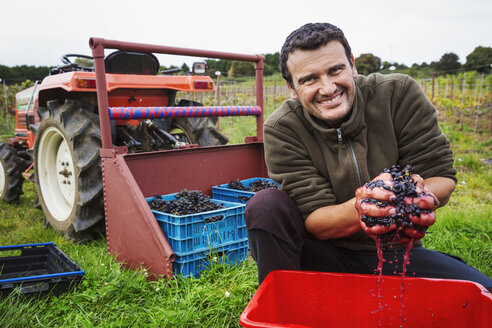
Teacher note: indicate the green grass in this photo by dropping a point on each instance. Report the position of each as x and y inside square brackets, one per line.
[111, 296]
[465, 232]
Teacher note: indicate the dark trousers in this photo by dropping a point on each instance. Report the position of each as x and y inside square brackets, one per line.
[280, 241]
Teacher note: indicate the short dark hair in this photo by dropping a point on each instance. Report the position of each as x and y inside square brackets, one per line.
[310, 36]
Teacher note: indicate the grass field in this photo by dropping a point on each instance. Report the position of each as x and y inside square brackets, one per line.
[111, 296]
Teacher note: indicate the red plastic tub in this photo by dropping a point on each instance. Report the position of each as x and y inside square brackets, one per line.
[313, 299]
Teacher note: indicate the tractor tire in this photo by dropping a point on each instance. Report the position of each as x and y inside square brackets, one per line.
[198, 130]
[11, 178]
[68, 169]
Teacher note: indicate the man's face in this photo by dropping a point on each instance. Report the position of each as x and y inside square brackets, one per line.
[323, 81]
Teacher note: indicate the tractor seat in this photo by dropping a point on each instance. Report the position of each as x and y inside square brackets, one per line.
[126, 62]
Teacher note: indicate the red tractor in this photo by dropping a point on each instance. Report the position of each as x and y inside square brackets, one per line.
[57, 131]
[104, 140]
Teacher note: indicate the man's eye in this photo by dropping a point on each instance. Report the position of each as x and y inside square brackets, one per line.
[336, 70]
[308, 80]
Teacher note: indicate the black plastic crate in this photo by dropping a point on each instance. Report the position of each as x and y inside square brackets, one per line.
[37, 270]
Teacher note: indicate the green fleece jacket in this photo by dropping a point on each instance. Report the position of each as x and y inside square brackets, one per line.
[391, 122]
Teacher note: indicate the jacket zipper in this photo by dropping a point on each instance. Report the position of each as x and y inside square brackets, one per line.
[339, 135]
[351, 147]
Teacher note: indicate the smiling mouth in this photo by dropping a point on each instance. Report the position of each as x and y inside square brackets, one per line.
[330, 100]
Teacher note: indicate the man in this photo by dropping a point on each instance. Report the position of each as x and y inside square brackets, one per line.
[337, 132]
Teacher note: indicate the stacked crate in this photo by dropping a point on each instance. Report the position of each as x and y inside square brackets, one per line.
[197, 239]
[202, 238]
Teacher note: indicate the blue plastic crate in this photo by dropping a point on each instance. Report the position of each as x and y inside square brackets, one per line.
[194, 264]
[199, 232]
[234, 195]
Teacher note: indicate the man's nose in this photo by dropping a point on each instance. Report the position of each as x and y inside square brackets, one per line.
[327, 85]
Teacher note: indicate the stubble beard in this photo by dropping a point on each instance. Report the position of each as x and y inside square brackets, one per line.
[334, 121]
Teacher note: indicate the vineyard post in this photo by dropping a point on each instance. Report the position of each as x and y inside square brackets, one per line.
[452, 95]
[217, 73]
[463, 89]
[439, 80]
[462, 107]
[478, 97]
[274, 94]
[447, 87]
[472, 94]
[217, 92]
[433, 81]
[452, 87]
[445, 109]
[6, 103]
[266, 96]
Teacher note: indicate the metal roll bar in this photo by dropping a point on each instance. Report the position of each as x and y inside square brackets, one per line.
[98, 45]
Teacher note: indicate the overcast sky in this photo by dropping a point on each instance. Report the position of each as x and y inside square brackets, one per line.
[38, 32]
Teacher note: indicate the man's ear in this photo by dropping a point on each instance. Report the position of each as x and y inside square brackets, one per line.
[293, 93]
[354, 69]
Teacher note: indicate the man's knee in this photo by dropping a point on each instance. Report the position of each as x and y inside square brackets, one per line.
[270, 205]
[273, 211]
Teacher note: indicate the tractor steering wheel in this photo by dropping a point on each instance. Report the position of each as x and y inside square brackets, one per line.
[67, 61]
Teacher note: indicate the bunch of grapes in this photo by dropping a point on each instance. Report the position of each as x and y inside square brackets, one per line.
[187, 202]
[403, 187]
[238, 185]
[253, 186]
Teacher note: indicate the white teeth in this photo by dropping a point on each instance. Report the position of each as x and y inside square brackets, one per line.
[332, 100]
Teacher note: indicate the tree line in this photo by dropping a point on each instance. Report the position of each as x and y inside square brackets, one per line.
[18, 74]
[480, 60]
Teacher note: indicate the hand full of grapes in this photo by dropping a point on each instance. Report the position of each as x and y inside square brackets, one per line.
[396, 205]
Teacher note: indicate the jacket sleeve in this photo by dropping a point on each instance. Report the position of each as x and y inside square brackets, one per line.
[290, 163]
[421, 142]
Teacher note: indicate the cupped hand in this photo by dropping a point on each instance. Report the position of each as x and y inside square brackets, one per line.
[379, 193]
[427, 203]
